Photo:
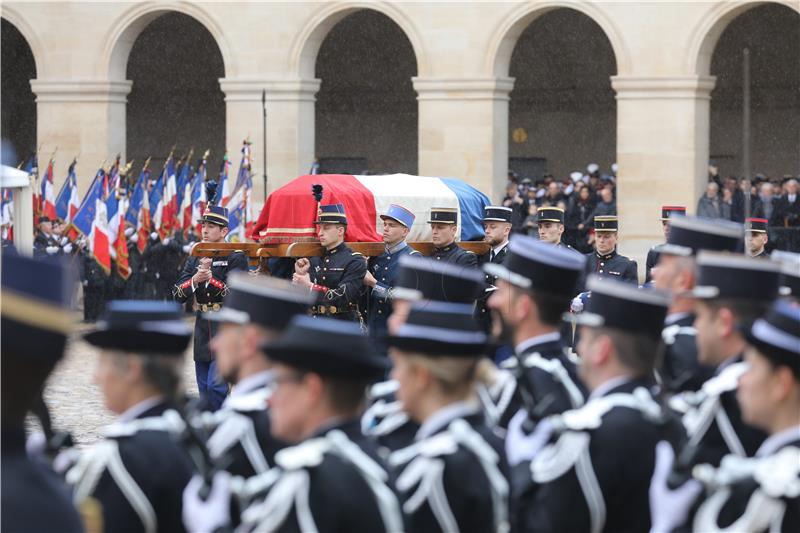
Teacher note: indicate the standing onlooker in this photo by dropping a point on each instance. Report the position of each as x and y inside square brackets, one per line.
[764, 203]
[518, 205]
[579, 211]
[607, 205]
[787, 208]
[709, 205]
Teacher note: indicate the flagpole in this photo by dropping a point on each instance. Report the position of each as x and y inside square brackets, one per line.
[264, 127]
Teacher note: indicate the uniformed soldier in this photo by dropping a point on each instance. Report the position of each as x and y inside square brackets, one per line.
[256, 310]
[731, 290]
[756, 494]
[550, 223]
[594, 473]
[756, 237]
[205, 280]
[497, 228]
[35, 325]
[453, 476]
[93, 279]
[136, 474]
[383, 270]
[332, 479]
[652, 254]
[420, 279]
[605, 261]
[444, 227]
[679, 370]
[45, 243]
[337, 278]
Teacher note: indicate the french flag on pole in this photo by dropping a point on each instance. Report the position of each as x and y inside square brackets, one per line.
[116, 206]
[169, 201]
[224, 189]
[48, 205]
[91, 220]
[143, 224]
[68, 201]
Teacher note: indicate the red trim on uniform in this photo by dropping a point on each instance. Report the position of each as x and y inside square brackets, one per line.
[763, 220]
[673, 208]
[319, 288]
[186, 284]
[217, 283]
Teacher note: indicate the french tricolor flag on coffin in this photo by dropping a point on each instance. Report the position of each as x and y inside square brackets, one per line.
[289, 213]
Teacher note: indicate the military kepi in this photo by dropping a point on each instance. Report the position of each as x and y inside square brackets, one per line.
[267, 302]
[757, 225]
[142, 327]
[672, 211]
[327, 347]
[606, 223]
[440, 329]
[216, 214]
[331, 214]
[497, 213]
[400, 214]
[550, 214]
[443, 215]
[688, 235]
[536, 265]
[422, 278]
[726, 275]
[623, 306]
[777, 334]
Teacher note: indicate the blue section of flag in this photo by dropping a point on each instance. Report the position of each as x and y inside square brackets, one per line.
[183, 176]
[137, 197]
[62, 201]
[86, 212]
[472, 204]
[157, 192]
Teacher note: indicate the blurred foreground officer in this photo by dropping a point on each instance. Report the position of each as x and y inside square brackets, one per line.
[453, 477]
[35, 324]
[382, 271]
[605, 261]
[595, 473]
[731, 291]
[137, 473]
[675, 273]
[667, 211]
[204, 279]
[748, 494]
[256, 310]
[336, 278]
[332, 480]
[444, 229]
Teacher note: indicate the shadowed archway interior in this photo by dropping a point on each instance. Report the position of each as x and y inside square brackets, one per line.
[18, 107]
[562, 113]
[176, 99]
[366, 110]
[771, 32]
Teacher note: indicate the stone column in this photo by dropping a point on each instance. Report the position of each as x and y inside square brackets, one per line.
[290, 127]
[463, 130]
[84, 118]
[662, 153]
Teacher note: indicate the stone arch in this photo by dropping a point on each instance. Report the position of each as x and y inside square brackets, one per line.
[505, 36]
[30, 36]
[19, 102]
[705, 36]
[304, 51]
[124, 31]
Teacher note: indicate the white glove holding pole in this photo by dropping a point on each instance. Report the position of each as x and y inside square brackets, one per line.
[129, 232]
[669, 508]
[51, 250]
[68, 248]
[214, 512]
[154, 236]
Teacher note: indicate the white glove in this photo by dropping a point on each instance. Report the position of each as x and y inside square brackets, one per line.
[68, 248]
[66, 460]
[521, 447]
[669, 508]
[135, 238]
[113, 253]
[166, 241]
[154, 236]
[576, 306]
[211, 513]
[64, 240]
[187, 248]
[51, 250]
[129, 232]
[35, 444]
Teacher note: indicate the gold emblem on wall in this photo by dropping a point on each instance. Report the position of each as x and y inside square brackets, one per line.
[519, 135]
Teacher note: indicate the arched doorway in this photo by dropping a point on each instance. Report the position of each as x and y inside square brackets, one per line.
[562, 113]
[175, 65]
[771, 34]
[366, 110]
[18, 107]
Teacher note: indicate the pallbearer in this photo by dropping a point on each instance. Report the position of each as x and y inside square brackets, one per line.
[444, 227]
[497, 228]
[605, 261]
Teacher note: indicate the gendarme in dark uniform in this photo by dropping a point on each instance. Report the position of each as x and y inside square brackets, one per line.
[756, 234]
[208, 297]
[450, 251]
[496, 255]
[338, 276]
[384, 269]
[652, 254]
[610, 264]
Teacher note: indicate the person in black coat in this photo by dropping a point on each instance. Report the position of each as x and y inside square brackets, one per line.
[94, 281]
[444, 226]
[204, 280]
[592, 475]
[33, 497]
[605, 261]
[747, 494]
[497, 229]
[652, 254]
[322, 367]
[453, 477]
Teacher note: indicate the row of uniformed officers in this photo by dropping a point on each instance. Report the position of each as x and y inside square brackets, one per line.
[637, 432]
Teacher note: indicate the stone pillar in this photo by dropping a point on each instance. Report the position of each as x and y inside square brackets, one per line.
[290, 127]
[463, 130]
[662, 153]
[84, 118]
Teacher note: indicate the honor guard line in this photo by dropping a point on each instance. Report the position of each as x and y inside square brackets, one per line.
[256, 251]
